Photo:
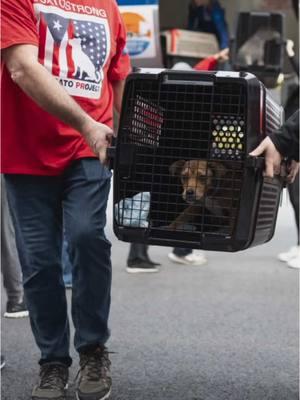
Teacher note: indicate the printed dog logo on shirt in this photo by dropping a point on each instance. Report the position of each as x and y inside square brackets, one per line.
[74, 48]
[83, 64]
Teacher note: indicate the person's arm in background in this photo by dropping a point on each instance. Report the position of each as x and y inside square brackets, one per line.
[210, 63]
[218, 17]
[283, 143]
[118, 89]
[25, 70]
[292, 56]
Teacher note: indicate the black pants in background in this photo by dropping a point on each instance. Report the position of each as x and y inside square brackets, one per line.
[294, 196]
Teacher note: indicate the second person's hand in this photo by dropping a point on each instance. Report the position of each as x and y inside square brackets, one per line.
[272, 157]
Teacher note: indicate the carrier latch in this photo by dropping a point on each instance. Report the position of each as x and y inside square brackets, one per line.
[255, 162]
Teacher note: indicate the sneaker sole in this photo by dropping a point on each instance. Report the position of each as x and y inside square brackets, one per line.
[285, 259]
[20, 314]
[64, 397]
[183, 262]
[106, 396]
[292, 267]
[141, 270]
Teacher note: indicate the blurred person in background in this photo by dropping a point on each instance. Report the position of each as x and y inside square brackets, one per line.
[292, 255]
[10, 264]
[209, 17]
[284, 143]
[139, 261]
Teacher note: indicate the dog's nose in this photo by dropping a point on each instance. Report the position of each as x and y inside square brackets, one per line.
[190, 195]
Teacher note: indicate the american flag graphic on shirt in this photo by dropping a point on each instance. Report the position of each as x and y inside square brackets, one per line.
[74, 50]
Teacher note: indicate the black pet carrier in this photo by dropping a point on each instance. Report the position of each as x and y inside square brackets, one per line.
[182, 173]
[259, 45]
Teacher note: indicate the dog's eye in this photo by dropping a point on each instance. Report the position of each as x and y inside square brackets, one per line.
[184, 178]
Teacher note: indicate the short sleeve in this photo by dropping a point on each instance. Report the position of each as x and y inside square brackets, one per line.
[18, 23]
[120, 64]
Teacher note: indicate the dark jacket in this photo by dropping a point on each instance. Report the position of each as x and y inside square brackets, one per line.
[286, 140]
[210, 19]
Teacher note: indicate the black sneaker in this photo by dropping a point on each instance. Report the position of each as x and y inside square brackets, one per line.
[140, 267]
[16, 310]
[148, 259]
[53, 382]
[94, 375]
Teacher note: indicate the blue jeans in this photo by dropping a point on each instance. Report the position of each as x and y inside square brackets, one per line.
[66, 264]
[41, 205]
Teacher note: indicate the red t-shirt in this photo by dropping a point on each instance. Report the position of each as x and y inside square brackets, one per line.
[81, 43]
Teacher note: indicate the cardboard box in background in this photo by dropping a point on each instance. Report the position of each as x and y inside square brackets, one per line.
[185, 43]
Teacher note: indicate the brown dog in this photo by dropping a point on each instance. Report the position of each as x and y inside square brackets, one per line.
[197, 178]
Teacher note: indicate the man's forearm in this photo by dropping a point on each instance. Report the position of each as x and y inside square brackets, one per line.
[44, 89]
[25, 70]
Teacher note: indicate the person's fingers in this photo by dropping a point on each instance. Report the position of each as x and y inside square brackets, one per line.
[109, 133]
[224, 54]
[259, 150]
[269, 168]
[291, 177]
[293, 171]
[109, 137]
[276, 168]
[105, 128]
[102, 154]
[295, 174]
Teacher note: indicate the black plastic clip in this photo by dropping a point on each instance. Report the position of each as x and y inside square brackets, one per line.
[283, 171]
[255, 162]
[110, 155]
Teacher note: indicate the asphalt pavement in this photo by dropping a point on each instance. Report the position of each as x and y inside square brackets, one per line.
[224, 331]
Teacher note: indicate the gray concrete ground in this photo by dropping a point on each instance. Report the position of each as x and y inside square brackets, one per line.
[224, 331]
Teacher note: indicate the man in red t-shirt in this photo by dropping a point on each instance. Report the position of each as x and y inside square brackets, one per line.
[63, 69]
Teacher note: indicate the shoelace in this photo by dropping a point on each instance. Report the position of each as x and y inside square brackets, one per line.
[52, 375]
[94, 362]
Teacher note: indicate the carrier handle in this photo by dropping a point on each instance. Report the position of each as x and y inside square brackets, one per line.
[183, 78]
[111, 152]
[255, 162]
[110, 157]
[259, 163]
[126, 157]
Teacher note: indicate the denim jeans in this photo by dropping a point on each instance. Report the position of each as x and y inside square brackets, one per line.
[10, 264]
[66, 264]
[41, 206]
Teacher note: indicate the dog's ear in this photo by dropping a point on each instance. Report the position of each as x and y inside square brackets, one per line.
[217, 168]
[176, 167]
